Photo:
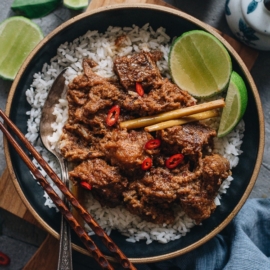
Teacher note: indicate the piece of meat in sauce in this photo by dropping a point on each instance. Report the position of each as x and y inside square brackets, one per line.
[156, 213]
[125, 149]
[188, 139]
[96, 92]
[139, 67]
[197, 197]
[73, 148]
[158, 186]
[106, 181]
[165, 98]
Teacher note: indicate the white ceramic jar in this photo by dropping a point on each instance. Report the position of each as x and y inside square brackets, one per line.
[249, 20]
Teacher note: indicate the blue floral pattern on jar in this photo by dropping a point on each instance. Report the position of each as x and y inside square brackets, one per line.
[227, 9]
[246, 34]
[252, 5]
[249, 22]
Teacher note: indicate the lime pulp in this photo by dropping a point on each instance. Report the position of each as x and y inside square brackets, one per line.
[76, 4]
[18, 37]
[200, 64]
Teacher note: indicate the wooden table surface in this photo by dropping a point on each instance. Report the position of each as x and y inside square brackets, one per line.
[9, 198]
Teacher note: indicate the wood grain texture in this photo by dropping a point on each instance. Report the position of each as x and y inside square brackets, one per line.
[46, 257]
[103, 3]
[9, 198]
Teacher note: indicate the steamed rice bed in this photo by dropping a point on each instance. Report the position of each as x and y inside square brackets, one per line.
[101, 48]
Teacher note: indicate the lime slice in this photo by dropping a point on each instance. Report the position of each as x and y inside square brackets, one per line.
[18, 37]
[200, 64]
[76, 4]
[34, 8]
[236, 103]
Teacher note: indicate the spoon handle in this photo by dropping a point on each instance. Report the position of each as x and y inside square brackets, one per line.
[65, 250]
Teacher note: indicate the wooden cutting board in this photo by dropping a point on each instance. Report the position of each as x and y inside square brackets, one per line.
[10, 200]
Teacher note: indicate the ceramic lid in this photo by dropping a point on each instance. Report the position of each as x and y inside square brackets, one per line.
[257, 14]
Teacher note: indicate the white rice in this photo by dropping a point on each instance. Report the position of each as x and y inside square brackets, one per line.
[101, 48]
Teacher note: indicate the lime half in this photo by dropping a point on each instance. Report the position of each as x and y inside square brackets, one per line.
[18, 37]
[200, 64]
[236, 103]
[76, 4]
[34, 8]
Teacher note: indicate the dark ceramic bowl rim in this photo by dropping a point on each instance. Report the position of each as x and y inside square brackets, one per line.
[248, 79]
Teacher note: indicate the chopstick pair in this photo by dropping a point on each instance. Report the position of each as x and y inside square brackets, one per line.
[85, 238]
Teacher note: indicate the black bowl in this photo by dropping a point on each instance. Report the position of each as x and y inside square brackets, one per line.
[176, 23]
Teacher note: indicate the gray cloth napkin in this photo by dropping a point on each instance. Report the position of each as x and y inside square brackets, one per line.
[244, 244]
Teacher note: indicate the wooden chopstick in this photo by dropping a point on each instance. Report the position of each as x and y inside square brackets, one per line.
[88, 242]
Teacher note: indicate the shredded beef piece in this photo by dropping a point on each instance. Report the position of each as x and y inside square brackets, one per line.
[140, 67]
[106, 182]
[166, 98]
[99, 91]
[95, 124]
[76, 97]
[158, 186]
[188, 139]
[156, 213]
[73, 148]
[125, 149]
[197, 197]
[120, 41]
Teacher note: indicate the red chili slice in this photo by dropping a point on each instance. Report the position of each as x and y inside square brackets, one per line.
[113, 115]
[85, 185]
[139, 89]
[147, 164]
[152, 144]
[4, 259]
[174, 160]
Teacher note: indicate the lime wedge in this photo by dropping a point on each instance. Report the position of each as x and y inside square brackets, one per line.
[18, 37]
[34, 8]
[76, 4]
[200, 64]
[236, 103]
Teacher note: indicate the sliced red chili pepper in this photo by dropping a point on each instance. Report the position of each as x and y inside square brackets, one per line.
[147, 164]
[152, 144]
[85, 185]
[139, 89]
[4, 259]
[113, 115]
[174, 160]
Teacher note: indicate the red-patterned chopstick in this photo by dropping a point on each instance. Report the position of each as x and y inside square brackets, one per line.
[88, 242]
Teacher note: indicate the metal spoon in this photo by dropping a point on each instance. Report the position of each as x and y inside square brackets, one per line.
[57, 91]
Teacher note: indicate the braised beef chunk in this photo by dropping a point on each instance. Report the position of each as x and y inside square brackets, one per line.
[156, 213]
[125, 149]
[188, 139]
[110, 159]
[139, 67]
[92, 91]
[197, 197]
[106, 182]
[73, 148]
[158, 186]
[165, 98]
